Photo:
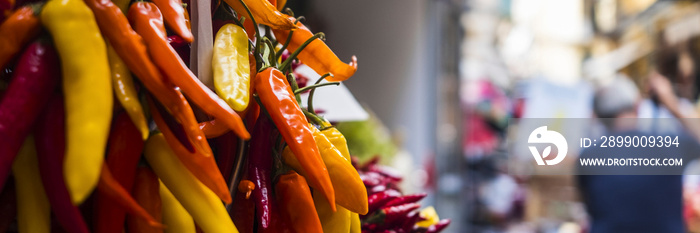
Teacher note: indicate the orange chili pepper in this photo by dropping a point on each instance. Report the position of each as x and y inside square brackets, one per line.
[20, 28]
[203, 167]
[148, 22]
[174, 15]
[317, 55]
[187, 20]
[213, 128]
[131, 48]
[147, 194]
[279, 101]
[295, 199]
[109, 187]
[264, 13]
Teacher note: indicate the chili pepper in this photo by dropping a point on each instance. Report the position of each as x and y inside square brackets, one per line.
[332, 221]
[174, 215]
[123, 155]
[204, 206]
[355, 224]
[149, 23]
[18, 30]
[387, 172]
[187, 20]
[181, 46]
[8, 205]
[337, 139]
[175, 128]
[202, 166]
[260, 172]
[174, 15]
[406, 199]
[317, 55]
[87, 91]
[243, 212]
[231, 66]
[350, 191]
[50, 140]
[227, 146]
[279, 101]
[264, 13]
[213, 128]
[247, 187]
[132, 49]
[410, 221]
[109, 187]
[295, 199]
[439, 226]
[273, 2]
[126, 93]
[122, 4]
[35, 78]
[147, 194]
[379, 199]
[33, 210]
[280, 4]
[389, 216]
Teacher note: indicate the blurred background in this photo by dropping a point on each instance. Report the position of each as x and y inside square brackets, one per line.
[442, 78]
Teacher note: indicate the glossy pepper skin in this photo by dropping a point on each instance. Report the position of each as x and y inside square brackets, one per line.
[204, 206]
[317, 55]
[109, 187]
[355, 223]
[243, 212]
[132, 49]
[125, 91]
[174, 15]
[87, 91]
[332, 221]
[147, 193]
[260, 161]
[148, 22]
[35, 78]
[264, 13]
[175, 217]
[213, 128]
[350, 191]
[337, 139]
[279, 101]
[231, 66]
[122, 159]
[33, 210]
[50, 142]
[296, 202]
[17, 31]
[203, 167]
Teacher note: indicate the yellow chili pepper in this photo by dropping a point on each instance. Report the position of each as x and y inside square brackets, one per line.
[350, 192]
[124, 89]
[87, 90]
[264, 13]
[204, 206]
[175, 217]
[338, 221]
[355, 224]
[337, 139]
[231, 66]
[33, 210]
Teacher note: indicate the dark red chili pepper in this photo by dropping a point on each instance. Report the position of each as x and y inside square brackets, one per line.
[441, 225]
[380, 199]
[226, 154]
[35, 77]
[122, 160]
[147, 193]
[260, 172]
[406, 199]
[410, 221]
[181, 46]
[386, 172]
[243, 212]
[49, 135]
[390, 216]
[8, 205]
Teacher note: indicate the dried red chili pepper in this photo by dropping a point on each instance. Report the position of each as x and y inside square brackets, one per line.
[441, 225]
[35, 78]
[18, 30]
[295, 199]
[390, 216]
[123, 156]
[49, 136]
[411, 198]
[379, 199]
[147, 193]
[278, 99]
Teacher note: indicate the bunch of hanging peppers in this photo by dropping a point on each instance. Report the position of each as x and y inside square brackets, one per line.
[98, 132]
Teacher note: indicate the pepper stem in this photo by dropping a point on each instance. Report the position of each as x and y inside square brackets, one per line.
[306, 88]
[313, 117]
[289, 38]
[310, 101]
[287, 63]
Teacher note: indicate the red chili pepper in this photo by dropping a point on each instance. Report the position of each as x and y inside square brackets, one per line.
[380, 199]
[181, 46]
[441, 225]
[174, 16]
[49, 135]
[243, 213]
[260, 172]
[177, 129]
[392, 216]
[407, 199]
[227, 146]
[109, 187]
[123, 156]
[35, 78]
[410, 221]
[147, 194]
[295, 199]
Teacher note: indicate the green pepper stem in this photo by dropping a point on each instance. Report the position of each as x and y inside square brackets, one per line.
[310, 101]
[293, 83]
[306, 88]
[287, 63]
[271, 57]
[313, 117]
[289, 39]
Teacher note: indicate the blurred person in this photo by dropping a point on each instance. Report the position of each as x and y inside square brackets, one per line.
[630, 203]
